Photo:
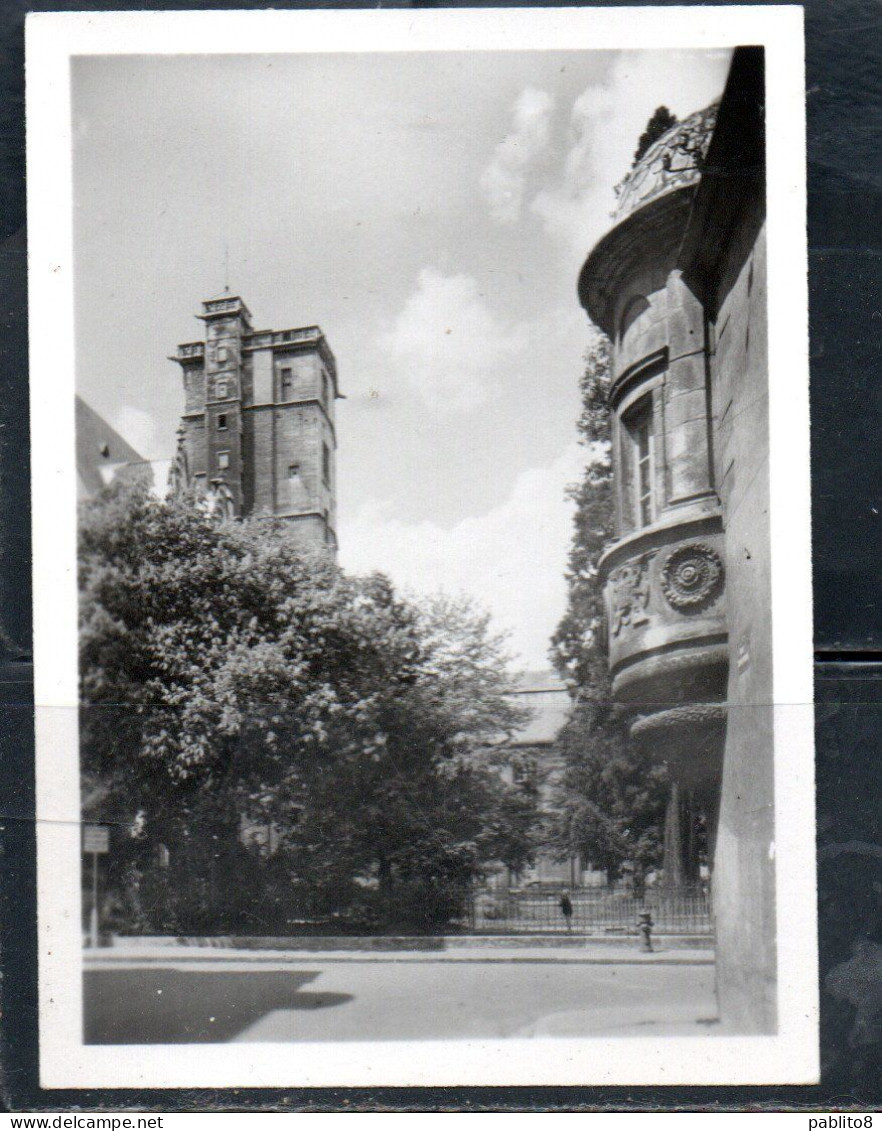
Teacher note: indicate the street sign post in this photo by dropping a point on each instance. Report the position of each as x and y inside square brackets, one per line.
[96, 839]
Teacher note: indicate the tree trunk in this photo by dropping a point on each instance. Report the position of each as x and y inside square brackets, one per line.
[675, 874]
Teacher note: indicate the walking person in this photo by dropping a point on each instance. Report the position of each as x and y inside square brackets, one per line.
[566, 908]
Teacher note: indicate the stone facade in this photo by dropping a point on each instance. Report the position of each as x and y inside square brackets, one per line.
[533, 763]
[678, 285]
[257, 432]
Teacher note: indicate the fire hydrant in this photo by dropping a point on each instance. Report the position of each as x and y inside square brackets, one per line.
[644, 926]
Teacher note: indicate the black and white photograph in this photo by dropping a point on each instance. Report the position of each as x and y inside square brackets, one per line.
[422, 576]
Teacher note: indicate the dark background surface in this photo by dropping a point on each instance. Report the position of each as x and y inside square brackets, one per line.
[844, 115]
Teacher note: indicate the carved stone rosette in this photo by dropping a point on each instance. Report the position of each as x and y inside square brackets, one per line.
[663, 591]
[692, 577]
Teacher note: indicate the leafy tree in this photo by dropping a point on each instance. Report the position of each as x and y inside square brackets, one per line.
[235, 683]
[466, 674]
[660, 122]
[611, 799]
[578, 650]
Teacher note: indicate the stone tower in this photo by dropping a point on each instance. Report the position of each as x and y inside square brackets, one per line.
[257, 432]
[678, 284]
[664, 575]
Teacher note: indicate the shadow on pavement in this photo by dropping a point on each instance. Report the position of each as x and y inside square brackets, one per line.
[173, 1006]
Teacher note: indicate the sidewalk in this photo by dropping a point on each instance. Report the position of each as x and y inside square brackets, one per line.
[492, 949]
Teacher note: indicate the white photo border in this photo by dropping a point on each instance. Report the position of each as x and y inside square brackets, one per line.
[52, 39]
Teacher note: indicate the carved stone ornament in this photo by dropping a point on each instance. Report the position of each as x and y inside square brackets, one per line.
[219, 500]
[629, 594]
[674, 161]
[179, 472]
[692, 576]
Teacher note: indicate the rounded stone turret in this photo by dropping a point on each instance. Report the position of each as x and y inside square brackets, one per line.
[663, 575]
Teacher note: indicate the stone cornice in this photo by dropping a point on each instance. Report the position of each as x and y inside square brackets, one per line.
[650, 233]
[671, 527]
[300, 339]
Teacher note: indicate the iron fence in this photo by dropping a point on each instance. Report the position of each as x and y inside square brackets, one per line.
[594, 912]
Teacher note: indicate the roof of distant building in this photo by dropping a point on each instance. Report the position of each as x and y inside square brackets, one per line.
[540, 679]
[102, 454]
[546, 696]
[101, 451]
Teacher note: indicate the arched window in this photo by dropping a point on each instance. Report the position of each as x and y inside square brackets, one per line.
[634, 307]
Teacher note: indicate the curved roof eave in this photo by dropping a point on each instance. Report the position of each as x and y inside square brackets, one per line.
[640, 236]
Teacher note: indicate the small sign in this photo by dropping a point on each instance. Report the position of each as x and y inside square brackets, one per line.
[96, 838]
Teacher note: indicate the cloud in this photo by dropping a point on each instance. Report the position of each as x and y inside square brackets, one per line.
[511, 560]
[606, 122]
[503, 181]
[448, 345]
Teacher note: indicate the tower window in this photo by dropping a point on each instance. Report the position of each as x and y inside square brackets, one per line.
[221, 421]
[221, 389]
[293, 470]
[222, 353]
[640, 461]
[286, 384]
[326, 464]
[223, 460]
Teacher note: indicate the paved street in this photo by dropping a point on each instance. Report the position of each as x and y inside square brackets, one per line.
[319, 998]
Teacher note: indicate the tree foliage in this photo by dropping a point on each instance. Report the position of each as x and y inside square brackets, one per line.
[577, 644]
[660, 122]
[237, 686]
[611, 799]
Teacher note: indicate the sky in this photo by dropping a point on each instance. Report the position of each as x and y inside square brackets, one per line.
[431, 213]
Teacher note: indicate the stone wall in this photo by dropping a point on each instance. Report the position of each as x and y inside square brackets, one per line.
[258, 496]
[744, 874]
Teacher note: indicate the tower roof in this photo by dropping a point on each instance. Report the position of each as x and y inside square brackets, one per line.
[100, 450]
[653, 208]
[223, 306]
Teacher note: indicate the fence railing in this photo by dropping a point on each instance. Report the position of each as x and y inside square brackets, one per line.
[594, 912]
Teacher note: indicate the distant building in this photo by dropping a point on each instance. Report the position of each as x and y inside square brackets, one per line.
[257, 432]
[679, 286]
[102, 454]
[533, 763]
